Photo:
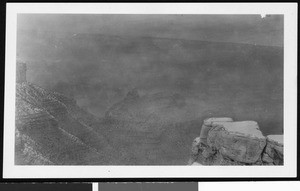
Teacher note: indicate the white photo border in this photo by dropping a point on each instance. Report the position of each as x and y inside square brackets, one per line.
[289, 169]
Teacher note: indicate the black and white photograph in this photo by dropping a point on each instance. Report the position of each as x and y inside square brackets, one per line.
[149, 89]
[191, 90]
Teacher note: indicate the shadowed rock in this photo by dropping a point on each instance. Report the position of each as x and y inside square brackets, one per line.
[273, 153]
[239, 141]
[52, 129]
[207, 125]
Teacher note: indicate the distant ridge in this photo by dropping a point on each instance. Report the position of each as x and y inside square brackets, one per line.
[79, 35]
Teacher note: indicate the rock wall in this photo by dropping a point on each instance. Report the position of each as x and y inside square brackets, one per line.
[223, 141]
[52, 129]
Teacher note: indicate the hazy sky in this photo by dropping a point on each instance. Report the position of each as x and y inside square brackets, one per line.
[99, 70]
[252, 29]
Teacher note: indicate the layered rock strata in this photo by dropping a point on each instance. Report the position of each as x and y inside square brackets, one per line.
[223, 141]
[52, 129]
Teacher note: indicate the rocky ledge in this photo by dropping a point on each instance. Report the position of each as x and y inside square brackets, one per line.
[223, 141]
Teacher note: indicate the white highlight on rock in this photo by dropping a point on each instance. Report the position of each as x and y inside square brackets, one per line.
[248, 128]
[196, 164]
[276, 138]
[209, 121]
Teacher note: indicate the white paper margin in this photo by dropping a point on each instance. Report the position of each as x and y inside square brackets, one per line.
[95, 186]
[290, 92]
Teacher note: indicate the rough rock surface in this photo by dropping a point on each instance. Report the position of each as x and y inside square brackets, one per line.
[225, 142]
[238, 141]
[52, 129]
[273, 153]
[207, 125]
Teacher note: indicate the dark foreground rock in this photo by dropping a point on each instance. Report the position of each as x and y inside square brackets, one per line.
[52, 130]
[273, 154]
[225, 142]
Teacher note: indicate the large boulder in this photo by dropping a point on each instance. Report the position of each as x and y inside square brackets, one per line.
[273, 153]
[225, 142]
[238, 141]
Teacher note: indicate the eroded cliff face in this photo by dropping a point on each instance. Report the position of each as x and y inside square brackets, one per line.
[225, 142]
[52, 129]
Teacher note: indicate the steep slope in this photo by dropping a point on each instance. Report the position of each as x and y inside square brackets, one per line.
[52, 129]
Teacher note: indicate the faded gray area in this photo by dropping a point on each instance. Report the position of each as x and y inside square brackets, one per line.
[148, 80]
[155, 186]
[250, 29]
[98, 58]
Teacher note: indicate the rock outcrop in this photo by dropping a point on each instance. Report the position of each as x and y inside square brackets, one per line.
[52, 129]
[273, 154]
[226, 142]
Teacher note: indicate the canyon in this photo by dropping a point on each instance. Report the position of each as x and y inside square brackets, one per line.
[102, 99]
[51, 129]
